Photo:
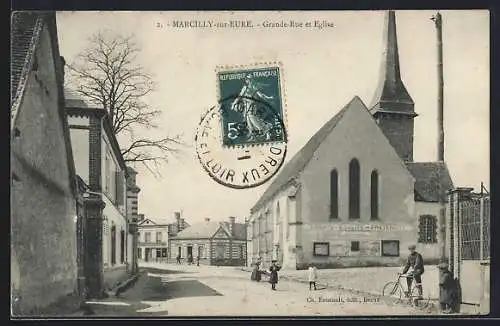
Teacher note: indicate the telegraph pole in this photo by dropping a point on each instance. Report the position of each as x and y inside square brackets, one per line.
[438, 22]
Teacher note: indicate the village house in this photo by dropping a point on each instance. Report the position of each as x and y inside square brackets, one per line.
[215, 243]
[99, 163]
[353, 195]
[154, 238]
[43, 187]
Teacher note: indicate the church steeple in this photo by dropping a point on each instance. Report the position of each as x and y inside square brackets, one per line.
[392, 105]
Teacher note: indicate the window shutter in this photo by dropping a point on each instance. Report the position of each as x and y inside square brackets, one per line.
[119, 187]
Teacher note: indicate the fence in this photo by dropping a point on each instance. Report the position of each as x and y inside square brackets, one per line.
[468, 237]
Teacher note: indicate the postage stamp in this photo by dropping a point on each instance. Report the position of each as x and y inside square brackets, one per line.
[245, 120]
[243, 166]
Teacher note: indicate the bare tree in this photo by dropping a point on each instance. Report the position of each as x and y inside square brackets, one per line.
[107, 74]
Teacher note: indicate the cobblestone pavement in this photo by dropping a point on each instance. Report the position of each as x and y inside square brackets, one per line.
[182, 290]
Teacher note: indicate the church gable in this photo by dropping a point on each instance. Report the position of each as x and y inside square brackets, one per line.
[356, 148]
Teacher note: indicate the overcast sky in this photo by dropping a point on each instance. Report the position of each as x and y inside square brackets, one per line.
[323, 70]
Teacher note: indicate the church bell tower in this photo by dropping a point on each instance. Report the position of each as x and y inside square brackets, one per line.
[392, 106]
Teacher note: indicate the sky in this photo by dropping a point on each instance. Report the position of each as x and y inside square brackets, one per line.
[323, 69]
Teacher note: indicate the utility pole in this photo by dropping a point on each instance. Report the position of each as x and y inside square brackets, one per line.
[438, 22]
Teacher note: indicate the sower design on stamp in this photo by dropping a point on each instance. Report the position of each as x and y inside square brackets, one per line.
[247, 119]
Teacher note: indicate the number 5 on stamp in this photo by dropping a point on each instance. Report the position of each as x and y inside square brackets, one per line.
[252, 110]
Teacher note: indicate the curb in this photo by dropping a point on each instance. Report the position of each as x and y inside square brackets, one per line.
[125, 285]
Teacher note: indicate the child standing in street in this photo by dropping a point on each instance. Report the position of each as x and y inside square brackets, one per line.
[273, 278]
[312, 275]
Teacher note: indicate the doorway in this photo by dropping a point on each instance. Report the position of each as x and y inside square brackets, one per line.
[190, 254]
[147, 254]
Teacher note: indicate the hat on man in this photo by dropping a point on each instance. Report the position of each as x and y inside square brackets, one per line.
[274, 261]
[443, 266]
[412, 247]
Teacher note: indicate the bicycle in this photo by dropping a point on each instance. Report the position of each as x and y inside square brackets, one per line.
[396, 290]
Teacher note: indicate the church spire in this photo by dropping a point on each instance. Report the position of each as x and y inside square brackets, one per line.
[392, 106]
[391, 94]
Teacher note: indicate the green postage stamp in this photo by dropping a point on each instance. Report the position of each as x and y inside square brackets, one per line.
[253, 112]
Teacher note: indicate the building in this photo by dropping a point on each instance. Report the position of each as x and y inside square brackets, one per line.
[99, 163]
[353, 196]
[216, 243]
[43, 186]
[153, 238]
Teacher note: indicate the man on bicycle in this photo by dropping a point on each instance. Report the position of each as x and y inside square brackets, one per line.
[414, 268]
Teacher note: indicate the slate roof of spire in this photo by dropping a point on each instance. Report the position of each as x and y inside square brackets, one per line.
[391, 89]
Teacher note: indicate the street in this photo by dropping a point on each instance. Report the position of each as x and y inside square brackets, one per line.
[183, 290]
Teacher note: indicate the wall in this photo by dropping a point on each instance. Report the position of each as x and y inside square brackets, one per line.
[114, 215]
[80, 146]
[43, 209]
[205, 253]
[396, 206]
[152, 229]
[430, 252]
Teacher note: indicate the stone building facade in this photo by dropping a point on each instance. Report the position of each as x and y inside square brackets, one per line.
[215, 243]
[43, 192]
[352, 196]
[153, 238]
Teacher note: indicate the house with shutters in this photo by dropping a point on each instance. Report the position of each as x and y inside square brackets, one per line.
[153, 238]
[353, 195]
[101, 166]
[215, 243]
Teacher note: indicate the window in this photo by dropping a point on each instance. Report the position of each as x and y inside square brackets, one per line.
[390, 248]
[122, 246]
[374, 195]
[427, 229]
[113, 245]
[321, 249]
[334, 194]
[107, 163]
[158, 252]
[139, 253]
[147, 237]
[354, 185]
[158, 237]
[354, 245]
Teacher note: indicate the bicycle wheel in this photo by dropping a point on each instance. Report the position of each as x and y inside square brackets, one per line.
[393, 290]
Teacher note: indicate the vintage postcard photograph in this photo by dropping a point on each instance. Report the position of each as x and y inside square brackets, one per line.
[250, 163]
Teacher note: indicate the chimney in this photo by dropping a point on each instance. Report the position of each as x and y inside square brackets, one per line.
[207, 219]
[178, 221]
[183, 224]
[232, 221]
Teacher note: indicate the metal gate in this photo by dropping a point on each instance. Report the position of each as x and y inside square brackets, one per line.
[468, 237]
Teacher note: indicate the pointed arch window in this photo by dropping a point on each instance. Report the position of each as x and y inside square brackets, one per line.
[354, 185]
[374, 195]
[334, 194]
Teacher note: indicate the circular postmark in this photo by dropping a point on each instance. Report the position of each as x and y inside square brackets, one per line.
[259, 142]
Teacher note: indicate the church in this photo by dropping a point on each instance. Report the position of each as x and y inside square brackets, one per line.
[363, 203]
